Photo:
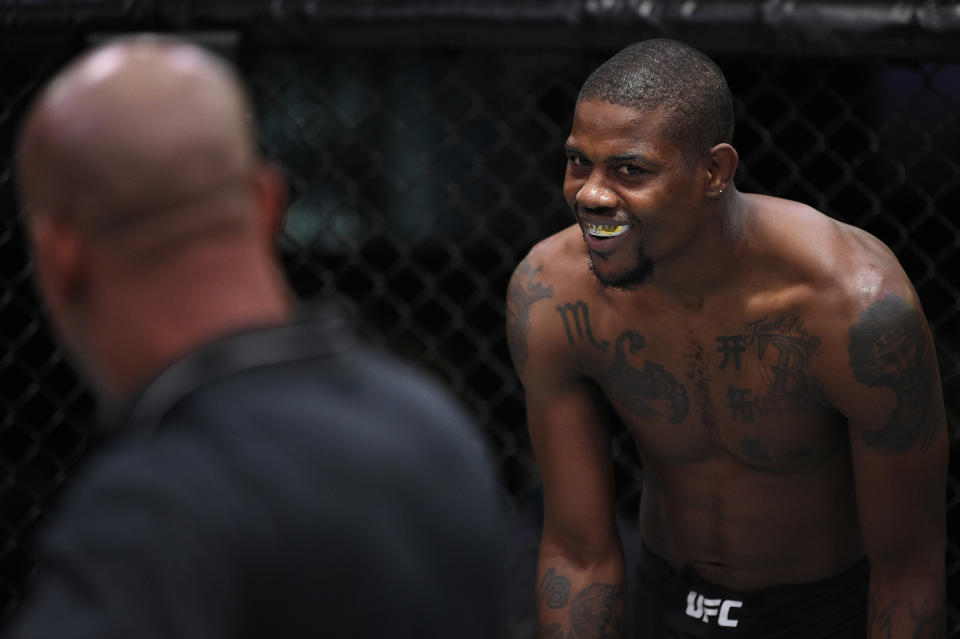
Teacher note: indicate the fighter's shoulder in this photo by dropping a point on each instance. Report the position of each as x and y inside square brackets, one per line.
[863, 270]
[559, 261]
[842, 261]
[554, 271]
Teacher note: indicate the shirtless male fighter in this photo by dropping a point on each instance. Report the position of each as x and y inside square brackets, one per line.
[773, 365]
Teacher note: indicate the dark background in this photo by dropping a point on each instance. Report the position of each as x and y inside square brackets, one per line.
[423, 146]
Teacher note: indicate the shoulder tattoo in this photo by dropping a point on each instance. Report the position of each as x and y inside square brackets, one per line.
[889, 349]
[524, 290]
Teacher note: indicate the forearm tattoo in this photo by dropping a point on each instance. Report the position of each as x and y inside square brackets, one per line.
[596, 611]
[554, 590]
[888, 349]
[926, 621]
[522, 293]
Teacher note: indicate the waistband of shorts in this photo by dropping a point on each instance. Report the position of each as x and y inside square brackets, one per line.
[653, 566]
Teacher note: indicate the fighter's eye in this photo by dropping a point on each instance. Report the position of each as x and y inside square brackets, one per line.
[577, 160]
[630, 169]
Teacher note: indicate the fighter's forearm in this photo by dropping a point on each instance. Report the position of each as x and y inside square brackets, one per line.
[575, 600]
[906, 606]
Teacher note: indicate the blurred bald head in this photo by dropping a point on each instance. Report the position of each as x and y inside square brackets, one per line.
[133, 133]
[151, 218]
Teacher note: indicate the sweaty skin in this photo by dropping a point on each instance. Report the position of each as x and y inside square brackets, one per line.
[773, 366]
[151, 218]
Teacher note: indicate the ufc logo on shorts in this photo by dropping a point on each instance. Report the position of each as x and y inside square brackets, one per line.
[705, 609]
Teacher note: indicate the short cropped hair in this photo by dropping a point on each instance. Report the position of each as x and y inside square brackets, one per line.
[675, 79]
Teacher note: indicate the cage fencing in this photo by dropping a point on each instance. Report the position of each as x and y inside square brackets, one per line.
[421, 173]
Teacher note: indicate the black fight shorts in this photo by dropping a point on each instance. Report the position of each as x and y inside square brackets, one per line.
[679, 604]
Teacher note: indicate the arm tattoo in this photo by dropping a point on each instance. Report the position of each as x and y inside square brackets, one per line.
[880, 621]
[553, 631]
[554, 589]
[929, 622]
[596, 612]
[927, 618]
[522, 292]
[638, 390]
[888, 349]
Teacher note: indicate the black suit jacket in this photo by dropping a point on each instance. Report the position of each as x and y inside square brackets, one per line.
[284, 482]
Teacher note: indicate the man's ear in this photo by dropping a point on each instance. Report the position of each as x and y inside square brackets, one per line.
[270, 191]
[60, 260]
[722, 164]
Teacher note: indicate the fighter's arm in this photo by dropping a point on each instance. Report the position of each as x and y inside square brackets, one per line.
[580, 568]
[887, 384]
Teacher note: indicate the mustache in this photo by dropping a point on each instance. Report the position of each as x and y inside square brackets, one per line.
[579, 210]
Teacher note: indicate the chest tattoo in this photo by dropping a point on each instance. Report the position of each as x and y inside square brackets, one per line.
[648, 392]
[783, 349]
[576, 321]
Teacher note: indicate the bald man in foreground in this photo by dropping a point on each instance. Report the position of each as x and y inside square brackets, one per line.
[263, 475]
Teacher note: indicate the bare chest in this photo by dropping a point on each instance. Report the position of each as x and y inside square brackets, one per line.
[741, 387]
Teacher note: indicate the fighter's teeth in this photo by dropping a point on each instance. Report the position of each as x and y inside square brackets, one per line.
[605, 230]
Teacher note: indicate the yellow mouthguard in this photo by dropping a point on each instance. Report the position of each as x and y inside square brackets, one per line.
[604, 229]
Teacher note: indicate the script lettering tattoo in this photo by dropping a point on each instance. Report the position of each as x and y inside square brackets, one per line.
[554, 589]
[880, 621]
[888, 349]
[784, 350]
[638, 391]
[731, 346]
[581, 321]
[754, 449]
[522, 293]
[596, 612]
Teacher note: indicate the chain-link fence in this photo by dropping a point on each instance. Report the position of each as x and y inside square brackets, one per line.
[421, 175]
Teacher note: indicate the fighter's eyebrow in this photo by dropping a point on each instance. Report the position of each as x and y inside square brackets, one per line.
[633, 156]
[638, 157]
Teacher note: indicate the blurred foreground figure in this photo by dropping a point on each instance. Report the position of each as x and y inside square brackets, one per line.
[773, 365]
[265, 475]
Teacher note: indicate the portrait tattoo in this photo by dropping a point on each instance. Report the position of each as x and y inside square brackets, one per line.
[596, 612]
[522, 293]
[554, 589]
[888, 350]
[576, 316]
[646, 393]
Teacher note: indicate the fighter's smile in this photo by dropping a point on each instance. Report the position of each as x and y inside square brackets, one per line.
[604, 236]
[605, 230]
